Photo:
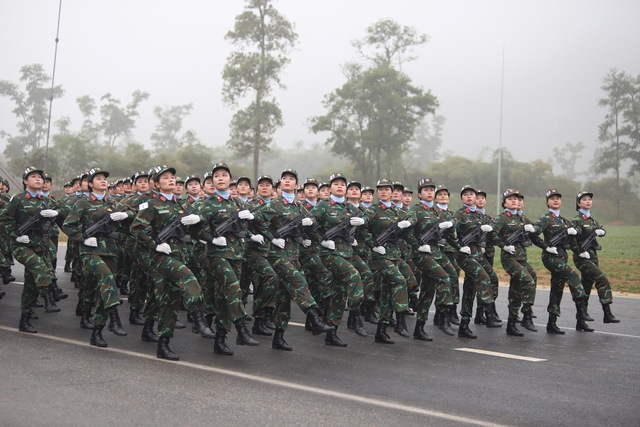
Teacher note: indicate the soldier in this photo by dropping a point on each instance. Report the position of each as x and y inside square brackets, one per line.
[511, 234]
[243, 187]
[557, 233]
[336, 254]
[98, 255]
[300, 193]
[177, 192]
[26, 220]
[224, 254]
[586, 259]
[56, 292]
[323, 191]
[407, 198]
[470, 231]
[284, 257]
[5, 268]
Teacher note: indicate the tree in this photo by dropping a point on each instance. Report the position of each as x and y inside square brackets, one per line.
[32, 111]
[165, 137]
[263, 38]
[116, 121]
[566, 156]
[428, 140]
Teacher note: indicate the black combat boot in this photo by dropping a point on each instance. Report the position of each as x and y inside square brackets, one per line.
[25, 324]
[581, 325]
[512, 329]
[268, 318]
[115, 325]
[244, 336]
[333, 339]
[96, 337]
[582, 309]
[480, 318]
[148, 333]
[259, 328]
[552, 328]
[317, 323]
[494, 311]
[9, 258]
[381, 334]
[454, 319]
[445, 321]
[200, 325]
[527, 322]
[358, 325]
[85, 320]
[58, 294]
[33, 315]
[179, 325]
[7, 277]
[464, 331]
[278, 342]
[220, 344]
[67, 266]
[2, 293]
[419, 333]
[608, 316]
[401, 325]
[49, 304]
[413, 305]
[436, 317]
[134, 317]
[164, 351]
[124, 286]
[370, 312]
[79, 307]
[491, 319]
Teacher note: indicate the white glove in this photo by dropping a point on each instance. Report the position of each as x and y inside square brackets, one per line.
[92, 242]
[258, 238]
[306, 243]
[23, 239]
[379, 250]
[465, 250]
[483, 250]
[510, 249]
[356, 221]
[445, 224]
[585, 255]
[118, 216]
[278, 242]
[219, 241]
[600, 232]
[529, 228]
[552, 250]
[307, 222]
[354, 243]
[572, 231]
[164, 248]
[486, 228]
[48, 213]
[329, 244]
[245, 214]
[189, 219]
[425, 249]
[404, 224]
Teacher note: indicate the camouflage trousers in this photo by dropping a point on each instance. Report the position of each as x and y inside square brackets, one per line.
[37, 274]
[178, 282]
[477, 280]
[562, 273]
[101, 290]
[229, 306]
[368, 289]
[317, 275]
[493, 277]
[454, 275]
[435, 281]
[522, 283]
[257, 269]
[205, 278]
[291, 286]
[591, 273]
[394, 276]
[143, 283]
[346, 281]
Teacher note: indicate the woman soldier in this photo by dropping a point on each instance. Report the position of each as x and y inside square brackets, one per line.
[99, 259]
[30, 246]
[470, 231]
[511, 234]
[153, 219]
[386, 260]
[337, 252]
[224, 256]
[557, 233]
[586, 259]
[284, 258]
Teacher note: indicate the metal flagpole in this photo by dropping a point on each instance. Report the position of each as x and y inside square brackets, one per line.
[498, 204]
[53, 79]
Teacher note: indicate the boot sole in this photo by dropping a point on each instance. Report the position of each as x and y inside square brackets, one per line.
[277, 347]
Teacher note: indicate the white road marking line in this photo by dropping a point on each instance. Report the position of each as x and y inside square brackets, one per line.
[505, 355]
[279, 383]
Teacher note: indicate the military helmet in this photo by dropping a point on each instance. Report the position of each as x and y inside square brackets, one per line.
[206, 176]
[310, 181]
[553, 192]
[481, 191]
[580, 195]
[95, 171]
[384, 182]
[442, 187]
[244, 178]
[265, 178]
[191, 178]
[467, 187]
[426, 182]
[221, 165]
[365, 189]
[397, 185]
[32, 169]
[323, 184]
[335, 176]
[47, 177]
[290, 172]
[160, 169]
[509, 192]
[140, 175]
[179, 180]
[354, 183]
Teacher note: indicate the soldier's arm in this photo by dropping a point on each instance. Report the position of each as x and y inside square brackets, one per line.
[73, 222]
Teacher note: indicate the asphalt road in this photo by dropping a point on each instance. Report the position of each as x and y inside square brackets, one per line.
[55, 378]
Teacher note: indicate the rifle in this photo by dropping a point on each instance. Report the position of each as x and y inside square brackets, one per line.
[590, 242]
[343, 229]
[474, 236]
[101, 228]
[431, 235]
[291, 229]
[519, 236]
[32, 223]
[231, 224]
[175, 230]
[559, 239]
[388, 235]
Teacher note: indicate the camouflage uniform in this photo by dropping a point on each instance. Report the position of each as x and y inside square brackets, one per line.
[317, 274]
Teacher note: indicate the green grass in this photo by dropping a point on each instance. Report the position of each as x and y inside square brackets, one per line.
[619, 259]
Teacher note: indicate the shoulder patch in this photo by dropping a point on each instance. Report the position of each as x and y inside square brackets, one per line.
[143, 206]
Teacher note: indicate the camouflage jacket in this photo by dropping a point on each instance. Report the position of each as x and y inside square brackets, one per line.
[277, 214]
[550, 226]
[425, 218]
[329, 213]
[214, 211]
[466, 222]
[363, 237]
[585, 226]
[20, 209]
[378, 219]
[255, 227]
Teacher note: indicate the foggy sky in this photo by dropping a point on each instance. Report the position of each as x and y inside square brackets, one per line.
[556, 55]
